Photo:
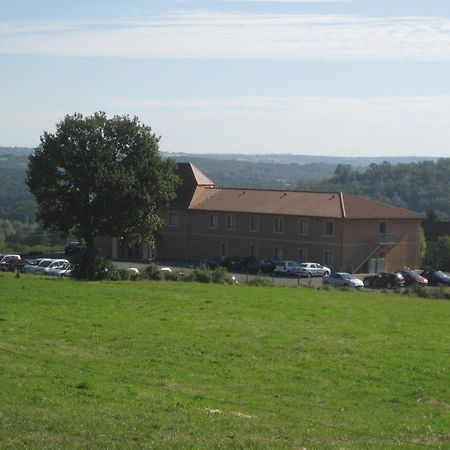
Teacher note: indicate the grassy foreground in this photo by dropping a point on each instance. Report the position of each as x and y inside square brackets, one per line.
[185, 365]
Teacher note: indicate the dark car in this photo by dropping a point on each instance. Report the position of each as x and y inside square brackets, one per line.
[252, 264]
[436, 277]
[384, 280]
[73, 247]
[412, 277]
[233, 263]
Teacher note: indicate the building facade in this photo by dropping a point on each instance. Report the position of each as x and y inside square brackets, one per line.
[344, 232]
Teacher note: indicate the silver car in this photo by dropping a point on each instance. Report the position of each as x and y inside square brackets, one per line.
[309, 269]
[342, 279]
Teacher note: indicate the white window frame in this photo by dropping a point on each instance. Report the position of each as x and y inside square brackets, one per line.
[230, 222]
[328, 261]
[213, 221]
[305, 255]
[255, 252]
[224, 249]
[254, 220]
[278, 253]
[302, 220]
[278, 225]
[325, 228]
[176, 219]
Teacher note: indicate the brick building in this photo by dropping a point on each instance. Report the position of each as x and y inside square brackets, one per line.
[345, 232]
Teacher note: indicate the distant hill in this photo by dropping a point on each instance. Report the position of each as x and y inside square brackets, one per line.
[17, 151]
[287, 158]
[417, 183]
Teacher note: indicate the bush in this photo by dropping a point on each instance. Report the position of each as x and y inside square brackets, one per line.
[152, 272]
[171, 276]
[202, 275]
[220, 276]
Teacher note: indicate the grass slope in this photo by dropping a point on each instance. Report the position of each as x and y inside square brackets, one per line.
[184, 365]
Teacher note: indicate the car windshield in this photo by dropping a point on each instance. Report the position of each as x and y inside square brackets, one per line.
[45, 263]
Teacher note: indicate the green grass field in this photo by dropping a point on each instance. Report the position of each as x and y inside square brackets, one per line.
[185, 365]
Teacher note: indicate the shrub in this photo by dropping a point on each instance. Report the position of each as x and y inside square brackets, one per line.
[171, 276]
[152, 272]
[220, 276]
[202, 275]
[260, 280]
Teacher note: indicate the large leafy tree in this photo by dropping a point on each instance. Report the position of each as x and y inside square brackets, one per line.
[100, 176]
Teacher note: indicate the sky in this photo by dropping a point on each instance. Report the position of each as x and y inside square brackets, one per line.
[318, 77]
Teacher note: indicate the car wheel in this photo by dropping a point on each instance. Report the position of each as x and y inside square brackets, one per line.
[389, 285]
[366, 283]
[309, 275]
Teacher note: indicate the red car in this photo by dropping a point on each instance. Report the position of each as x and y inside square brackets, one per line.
[412, 277]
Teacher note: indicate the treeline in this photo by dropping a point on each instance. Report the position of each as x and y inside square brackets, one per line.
[423, 186]
[19, 231]
[246, 174]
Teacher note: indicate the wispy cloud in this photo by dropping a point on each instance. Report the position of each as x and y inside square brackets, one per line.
[222, 35]
[323, 125]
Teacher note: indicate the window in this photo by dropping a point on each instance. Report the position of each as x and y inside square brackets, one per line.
[253, 250]
[328, 257]
[277, 253]
[231, 222]
[224, 250]
[278, 225]
[213, 221]
[254, 223]
[303, 226]
[382, 227]
[329, 228]
[302, 255]
[173, 219]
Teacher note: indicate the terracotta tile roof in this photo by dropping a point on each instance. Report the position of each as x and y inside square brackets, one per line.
[269, 202]
[313, 204]
[361, 208]
[191, 178]
[198, 192]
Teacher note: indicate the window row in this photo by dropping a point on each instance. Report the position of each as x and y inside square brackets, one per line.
[254, 223]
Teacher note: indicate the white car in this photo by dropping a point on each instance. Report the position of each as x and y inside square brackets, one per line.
[287, 268]
[343, 279]
[57, 268]
[309, 269]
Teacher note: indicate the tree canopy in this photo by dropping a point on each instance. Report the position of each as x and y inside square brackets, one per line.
[100, 176]
[421, 187]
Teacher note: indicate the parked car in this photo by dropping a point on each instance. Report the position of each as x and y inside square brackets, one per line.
[342, 279]
[251, 264]
[43, 264]
[384, 280]
[9, 263]
[412, 277]
[31, 265]
[309, 269]
[233, 263]
[73, 247]
[57, 268]
[436, 277]
[287, 268]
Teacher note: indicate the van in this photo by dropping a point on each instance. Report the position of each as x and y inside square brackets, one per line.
[287, 268]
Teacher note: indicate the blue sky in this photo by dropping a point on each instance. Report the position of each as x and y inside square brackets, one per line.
[335, 77]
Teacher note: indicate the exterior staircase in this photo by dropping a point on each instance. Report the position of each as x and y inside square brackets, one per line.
[364, 256]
